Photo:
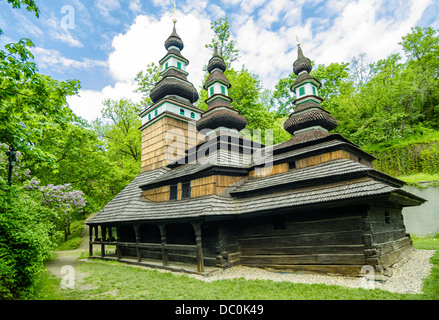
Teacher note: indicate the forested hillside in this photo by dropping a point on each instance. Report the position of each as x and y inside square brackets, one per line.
[65, 168]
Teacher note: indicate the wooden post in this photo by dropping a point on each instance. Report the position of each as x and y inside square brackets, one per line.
[90, 243]
[137, 231]
[118, 248]
[104, 236]
[200, 259]
[164, 242]
[96, 233]
[110, 234]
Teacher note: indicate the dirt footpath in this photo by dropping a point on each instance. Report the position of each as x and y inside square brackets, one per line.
[64, 265]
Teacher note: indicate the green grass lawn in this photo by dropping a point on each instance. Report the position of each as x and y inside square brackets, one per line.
[114, 280]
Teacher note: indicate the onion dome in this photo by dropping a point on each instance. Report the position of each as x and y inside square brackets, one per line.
[174, 40]
[302, 63]
[174, 76]
[216, 62]
[220, 113]
[172, 85]
[315, 117]
[309, 120]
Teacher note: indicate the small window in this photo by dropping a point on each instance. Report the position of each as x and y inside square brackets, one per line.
[166, 65]
[149, 117]
[182, 112]
[173, 192]
[156, 112]
[292, 165]
[314, 91]
[211, 91]
[178, 64]
[223, 90]
[301, 91]
[186, 190]
[192, 115]
[387, 217]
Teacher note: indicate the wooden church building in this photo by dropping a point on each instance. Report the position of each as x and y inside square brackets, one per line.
[209, 197]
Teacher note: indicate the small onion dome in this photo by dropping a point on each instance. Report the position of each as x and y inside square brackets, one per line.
[174, 40]
[171, 85]
[221, 117]
[216, 62]
[308, 119]
[302, 63]
[219, 76]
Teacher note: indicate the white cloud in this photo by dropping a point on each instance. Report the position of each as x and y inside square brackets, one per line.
[141, 45]
[49, 58]
[359, 28]
[59, 33]
[144, 42]
[88, 103]
[105, 6]
[135, 6]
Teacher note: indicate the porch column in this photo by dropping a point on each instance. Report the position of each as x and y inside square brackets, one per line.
[90, 242]
[118, 249]
[137, 231]
[104, 238]
[164, 242]
[200, 259]
[96, 233]
[110, 234]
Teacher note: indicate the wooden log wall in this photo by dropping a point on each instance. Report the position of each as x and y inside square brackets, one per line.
[215, 184]
[325, 157]
[330, 241]
[389, 238]
[265, 172]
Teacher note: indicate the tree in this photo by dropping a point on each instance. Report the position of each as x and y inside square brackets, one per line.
[146, 80]
[119, 127]
[226, 46]
[29, 101]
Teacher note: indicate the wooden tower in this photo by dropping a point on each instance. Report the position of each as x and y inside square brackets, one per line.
[168, 124]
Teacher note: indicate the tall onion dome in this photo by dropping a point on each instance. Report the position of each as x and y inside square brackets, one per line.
[220, 115]
[174, 81]
[309, 121]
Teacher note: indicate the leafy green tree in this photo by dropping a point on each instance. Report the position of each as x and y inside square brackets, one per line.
[119, 126]
[146, 80]
[225, 44]
[29, 101]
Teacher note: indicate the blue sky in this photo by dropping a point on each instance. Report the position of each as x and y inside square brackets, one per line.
[104, 43]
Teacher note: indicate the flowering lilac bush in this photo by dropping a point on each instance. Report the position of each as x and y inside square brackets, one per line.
[62, 199]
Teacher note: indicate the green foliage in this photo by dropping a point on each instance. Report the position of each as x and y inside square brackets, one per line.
[26, 240]
[226, 46]
[146, 80]
[407, 157]
[30, 102]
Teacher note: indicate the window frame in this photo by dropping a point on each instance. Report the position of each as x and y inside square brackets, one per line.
[185, 190]
[173, 194]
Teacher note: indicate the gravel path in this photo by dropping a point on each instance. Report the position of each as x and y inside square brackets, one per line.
[407, 276]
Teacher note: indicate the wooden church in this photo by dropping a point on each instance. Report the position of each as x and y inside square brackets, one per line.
[209, 197]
